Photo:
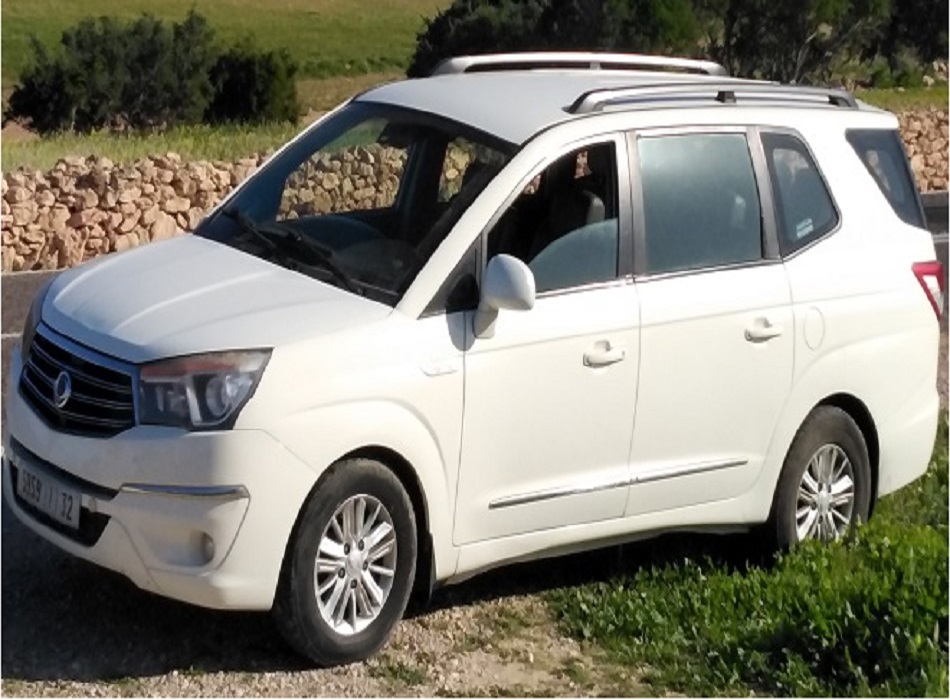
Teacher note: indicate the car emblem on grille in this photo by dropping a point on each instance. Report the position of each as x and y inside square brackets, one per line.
[62, 389]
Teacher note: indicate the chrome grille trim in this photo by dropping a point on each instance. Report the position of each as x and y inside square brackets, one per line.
[102, 402]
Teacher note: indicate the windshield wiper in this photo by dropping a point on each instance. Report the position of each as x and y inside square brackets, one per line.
[280, 238]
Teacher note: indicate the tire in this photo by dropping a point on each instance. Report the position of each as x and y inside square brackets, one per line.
[344, 622]
[817, 507]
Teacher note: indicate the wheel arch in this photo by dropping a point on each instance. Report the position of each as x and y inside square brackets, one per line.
[860, 414]
[406, 473]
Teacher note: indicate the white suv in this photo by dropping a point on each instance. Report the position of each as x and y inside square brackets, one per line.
[531, 304]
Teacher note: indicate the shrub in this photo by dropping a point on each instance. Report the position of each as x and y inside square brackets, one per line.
[147, 75]
[44, 98]
[253, 86]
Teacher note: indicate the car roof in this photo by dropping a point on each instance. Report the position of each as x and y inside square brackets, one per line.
[515, 105]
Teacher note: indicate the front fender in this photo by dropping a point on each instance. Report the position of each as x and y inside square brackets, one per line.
[322, 436]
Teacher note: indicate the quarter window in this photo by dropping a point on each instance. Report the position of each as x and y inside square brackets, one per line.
[700, 202]
[804, 209]
[882, 154]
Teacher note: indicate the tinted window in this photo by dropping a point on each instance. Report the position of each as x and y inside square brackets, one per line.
[803, 207]
[882, 154]
[564, 224]
[700, 202]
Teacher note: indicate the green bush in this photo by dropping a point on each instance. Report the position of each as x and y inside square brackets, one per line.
[147, 75]
[866, 616]
[253, 86]
[486, 26]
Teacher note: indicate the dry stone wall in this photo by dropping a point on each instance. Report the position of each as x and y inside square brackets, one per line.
[925, 136]
[86, 207]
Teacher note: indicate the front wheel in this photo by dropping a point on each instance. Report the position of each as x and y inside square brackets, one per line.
[825, 486]
[350, 567]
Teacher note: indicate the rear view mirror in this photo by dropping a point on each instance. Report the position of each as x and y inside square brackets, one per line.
[508, 284]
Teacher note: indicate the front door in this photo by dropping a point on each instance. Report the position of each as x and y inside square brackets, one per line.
[550, 398]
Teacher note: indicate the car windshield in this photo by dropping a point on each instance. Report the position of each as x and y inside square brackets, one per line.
[362, 199]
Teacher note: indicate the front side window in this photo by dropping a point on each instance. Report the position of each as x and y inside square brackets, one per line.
[700, 202]
[564, 224]
[804, 209]
[363, 199]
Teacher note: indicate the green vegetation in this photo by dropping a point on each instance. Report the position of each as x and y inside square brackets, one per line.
[863, 617]
[398, 672]
[147, 74]
[900, 100]
[325, 37]
[226, 143]
[806, 41]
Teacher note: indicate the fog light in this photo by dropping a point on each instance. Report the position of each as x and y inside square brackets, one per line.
[207, 547]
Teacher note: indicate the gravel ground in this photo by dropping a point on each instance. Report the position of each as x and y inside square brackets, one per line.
[72, 629]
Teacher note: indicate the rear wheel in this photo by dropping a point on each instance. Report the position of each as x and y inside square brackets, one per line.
[350, 568]
[825, 486]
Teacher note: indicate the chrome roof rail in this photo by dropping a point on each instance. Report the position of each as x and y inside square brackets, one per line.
[534, 60]
[725, 92]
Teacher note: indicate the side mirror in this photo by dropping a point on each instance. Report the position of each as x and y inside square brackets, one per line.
[508, 284]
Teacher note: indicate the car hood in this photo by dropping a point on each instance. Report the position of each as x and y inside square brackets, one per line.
[190, 295]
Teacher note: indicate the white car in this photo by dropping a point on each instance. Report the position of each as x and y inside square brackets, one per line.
[531, 304]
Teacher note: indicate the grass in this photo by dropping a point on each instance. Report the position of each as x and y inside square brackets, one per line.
[895, 100]
[398, 672]
[863, 617]
[192, 143]
[327, 37]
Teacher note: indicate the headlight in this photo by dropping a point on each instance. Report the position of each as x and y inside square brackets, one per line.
[33, 319]
[199, 392]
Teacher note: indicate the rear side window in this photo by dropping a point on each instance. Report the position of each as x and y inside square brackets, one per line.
[804, 208]
[700, 202]
[882, 154]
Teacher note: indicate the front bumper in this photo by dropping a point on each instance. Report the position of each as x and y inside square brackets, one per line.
[152, 496]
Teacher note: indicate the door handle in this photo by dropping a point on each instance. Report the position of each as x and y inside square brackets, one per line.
[604, 354]
[762, 329]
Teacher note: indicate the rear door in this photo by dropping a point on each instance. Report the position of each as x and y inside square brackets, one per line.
[716, 326]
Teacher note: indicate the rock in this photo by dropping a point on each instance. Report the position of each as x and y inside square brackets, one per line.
[23, 212]
[17, 193]
[130, 195]
[89, 199]
[125, 241]
[163, 228]
[195, 215]
[150, 215]
[45, 198]
[928, 81]
[174, 205]
[113, 220]
[87, 217]
[130, 221]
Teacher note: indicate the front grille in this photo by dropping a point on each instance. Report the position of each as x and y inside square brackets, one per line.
[101, 401]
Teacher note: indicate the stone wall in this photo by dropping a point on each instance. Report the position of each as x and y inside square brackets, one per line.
[925, 136]
[83, 208]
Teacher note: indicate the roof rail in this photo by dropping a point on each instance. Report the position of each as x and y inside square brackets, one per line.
[725, 92]
[575, 59]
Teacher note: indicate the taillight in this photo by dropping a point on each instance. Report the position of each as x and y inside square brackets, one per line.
[930, 276]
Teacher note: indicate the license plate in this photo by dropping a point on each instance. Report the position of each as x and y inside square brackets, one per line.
[48, 494]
